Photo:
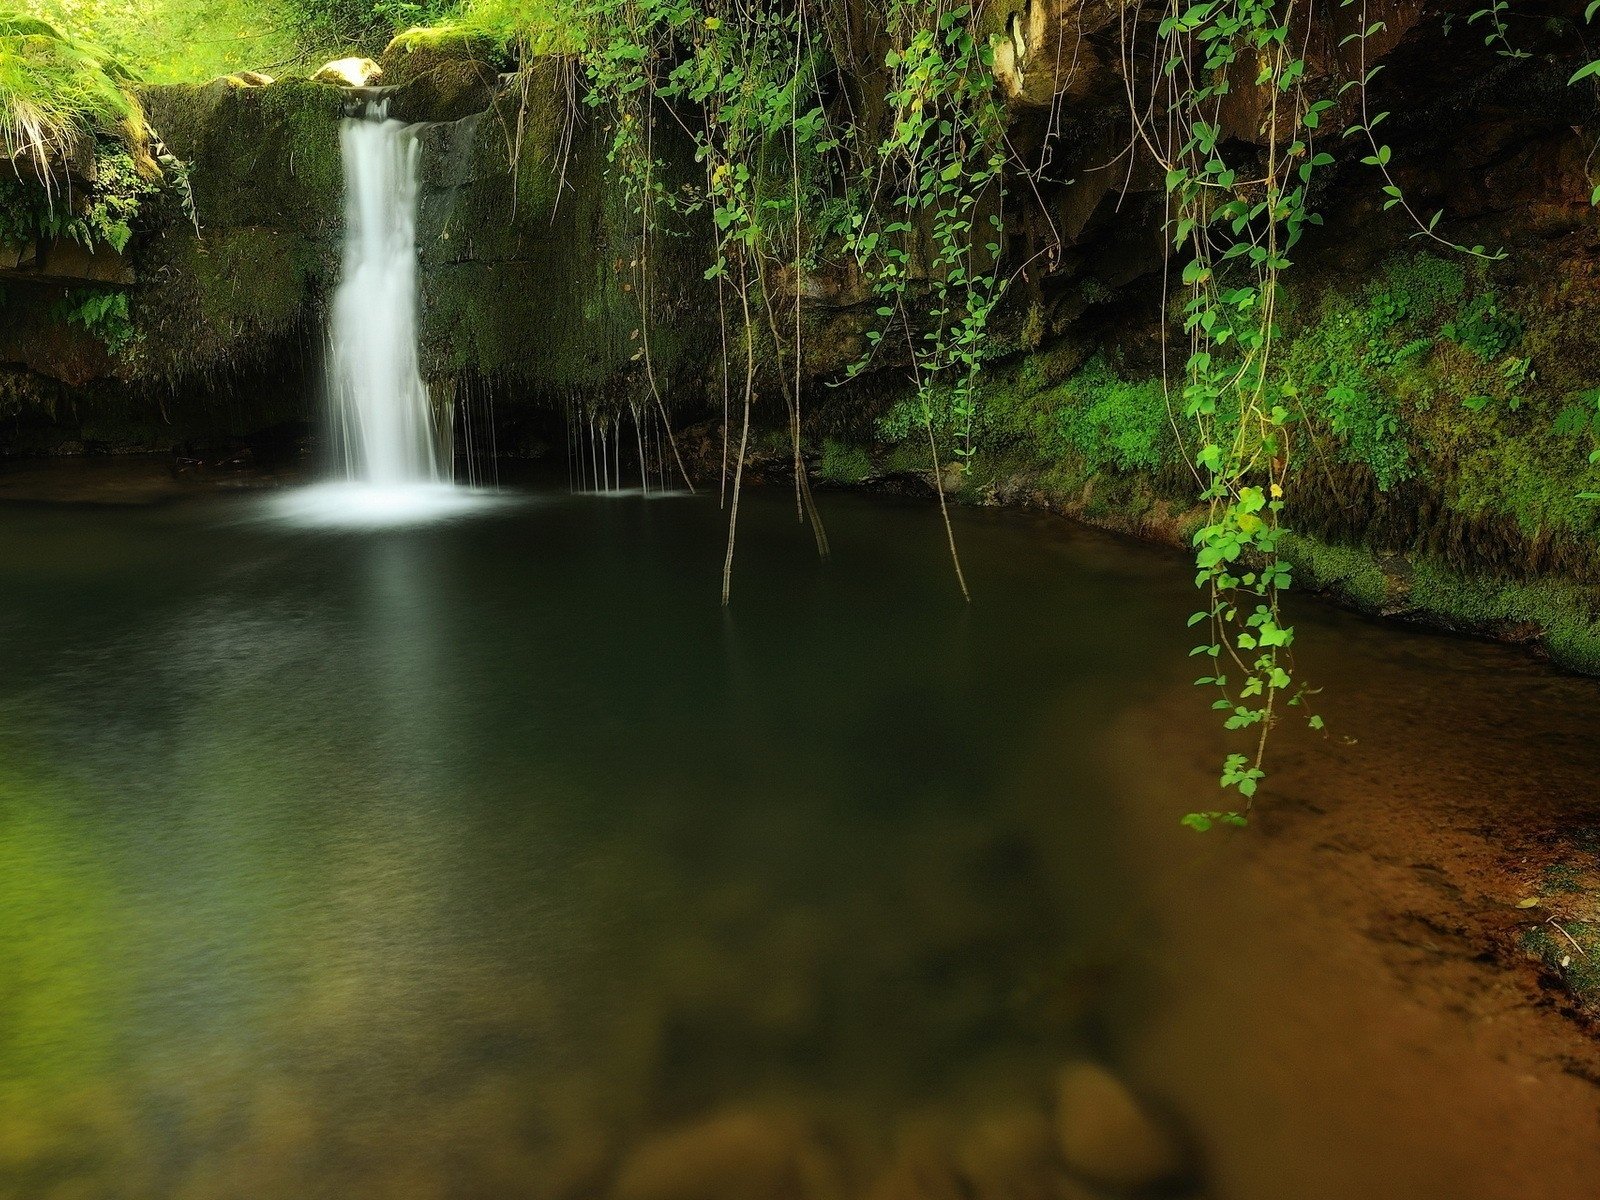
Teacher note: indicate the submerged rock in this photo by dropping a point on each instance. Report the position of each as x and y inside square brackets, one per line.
[1011, 1155]
[1107, 1136]
[742, 1154]
[1006, 1155]
[924, 1165]
[349, 72]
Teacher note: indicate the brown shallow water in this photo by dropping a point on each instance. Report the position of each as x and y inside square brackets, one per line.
[1375, 916]
[489, 858]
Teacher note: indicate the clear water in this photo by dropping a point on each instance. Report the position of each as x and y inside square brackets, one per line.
[466, 859]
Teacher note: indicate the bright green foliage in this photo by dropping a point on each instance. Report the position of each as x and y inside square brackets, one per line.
[1484, 329]
[55, 91]
[182, 41]
[946, 142]
[912, 200]
[168, 41]
[1426, 373]
[532, 26]
[1234, 239]
[1116, 422]
[27, 212]
[1094, 419]
[102, 311]
[1349, 365]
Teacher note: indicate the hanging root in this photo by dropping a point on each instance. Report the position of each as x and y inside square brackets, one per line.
[944, 511]
[733, 508]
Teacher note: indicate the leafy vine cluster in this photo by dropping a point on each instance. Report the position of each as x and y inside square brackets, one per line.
[915, 201]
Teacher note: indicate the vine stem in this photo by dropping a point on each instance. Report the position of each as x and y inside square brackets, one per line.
[944, 512]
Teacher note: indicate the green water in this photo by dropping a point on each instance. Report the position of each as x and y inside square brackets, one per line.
[461, 860]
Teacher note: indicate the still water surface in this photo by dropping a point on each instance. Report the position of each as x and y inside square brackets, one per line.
[465, 859]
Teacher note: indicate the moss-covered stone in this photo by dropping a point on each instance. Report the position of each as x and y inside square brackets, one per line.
[534, 262]
[533, 265]
[1350, 572]
[265, 156]
[1570, 950]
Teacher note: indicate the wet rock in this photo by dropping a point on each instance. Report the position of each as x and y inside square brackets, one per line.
[1107, 1136]
[12, 257]
[349, 72]
[737, 1155]
[442, 79]
[1041, 49]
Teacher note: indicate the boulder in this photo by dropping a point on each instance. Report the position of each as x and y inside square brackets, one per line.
[441, 75]
[14, 256]
[349, 72]
[924, 1164]
[1106, 1136]
[1005, 1155]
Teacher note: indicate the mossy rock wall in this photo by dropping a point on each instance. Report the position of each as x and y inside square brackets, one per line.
[535, 267]
[227, 294]
[532, 267]
[267, 190]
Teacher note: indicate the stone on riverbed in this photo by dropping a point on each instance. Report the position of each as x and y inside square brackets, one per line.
[1008, 1154]
[742, 1154]
[1107, 1136]
[1011, 1155]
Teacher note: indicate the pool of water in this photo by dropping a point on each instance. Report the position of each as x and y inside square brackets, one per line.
[480, 858]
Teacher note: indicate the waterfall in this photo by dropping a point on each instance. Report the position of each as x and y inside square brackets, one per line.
[393, 460]
[383, 424]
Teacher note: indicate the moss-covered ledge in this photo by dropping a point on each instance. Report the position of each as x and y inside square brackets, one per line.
[1446, 413]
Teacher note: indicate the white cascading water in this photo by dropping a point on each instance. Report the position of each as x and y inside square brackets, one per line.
[386, 444]
[382, 420]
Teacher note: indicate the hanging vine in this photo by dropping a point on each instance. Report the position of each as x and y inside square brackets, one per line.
[912, 196]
